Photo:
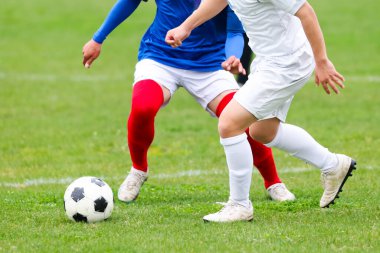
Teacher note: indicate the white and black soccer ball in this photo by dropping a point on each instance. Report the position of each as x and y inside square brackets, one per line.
[88, 199]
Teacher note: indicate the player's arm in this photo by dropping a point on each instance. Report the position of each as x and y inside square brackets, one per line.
[119, 12]
[207, 10]
[325, 72]
[234, 44]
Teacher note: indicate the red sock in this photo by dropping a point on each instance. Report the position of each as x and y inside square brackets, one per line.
[147, 98]
[264, 162]
[262, 155]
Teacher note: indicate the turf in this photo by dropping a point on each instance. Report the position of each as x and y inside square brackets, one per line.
[59, 122]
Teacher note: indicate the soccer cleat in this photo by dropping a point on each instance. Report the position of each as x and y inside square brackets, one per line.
[231, 212]
[129, 190]
[279, 192]
[333, 181]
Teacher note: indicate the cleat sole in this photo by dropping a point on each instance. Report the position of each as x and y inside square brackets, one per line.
[249, 220]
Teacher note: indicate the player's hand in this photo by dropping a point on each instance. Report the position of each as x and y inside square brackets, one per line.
[91, 51]
[174, 37]
[326, 75]
[233, 65]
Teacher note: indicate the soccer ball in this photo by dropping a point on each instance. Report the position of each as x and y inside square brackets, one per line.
[88, 199]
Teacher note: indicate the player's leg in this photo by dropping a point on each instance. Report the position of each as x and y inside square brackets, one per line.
[148, 96]
[232, 125]
[262, 155]
[214, 90]
[268, 96]
[296, 141]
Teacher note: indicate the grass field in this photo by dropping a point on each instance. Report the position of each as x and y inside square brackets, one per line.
[59, 121]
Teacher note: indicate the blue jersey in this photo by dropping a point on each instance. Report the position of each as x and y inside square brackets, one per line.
[203, 50]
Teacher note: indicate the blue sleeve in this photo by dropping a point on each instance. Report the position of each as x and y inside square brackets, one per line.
[233, 23]
[119, 12]
[234, 45]
[235, 40]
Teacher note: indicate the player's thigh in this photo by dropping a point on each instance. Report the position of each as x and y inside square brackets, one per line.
[213, 105]
[209, 88]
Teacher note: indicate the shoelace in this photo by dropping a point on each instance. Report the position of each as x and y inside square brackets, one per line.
[227, 205]
[280, 190]
[138, 178]
[323, 180]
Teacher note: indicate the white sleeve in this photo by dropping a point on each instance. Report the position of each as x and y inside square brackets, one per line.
[290, 6]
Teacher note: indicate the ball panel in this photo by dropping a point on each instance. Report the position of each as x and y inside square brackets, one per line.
[108, 211]
[77, 194]
[97, 181]
[79, 217]
[85, 206]
[68, 192]
[100, 204]
[95, 217]
[92, 191]
[107, 193]
[70, 208]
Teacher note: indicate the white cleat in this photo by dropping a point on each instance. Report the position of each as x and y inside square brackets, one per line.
[129, 190]
[333, 181]
[231, 212]
[279, 192]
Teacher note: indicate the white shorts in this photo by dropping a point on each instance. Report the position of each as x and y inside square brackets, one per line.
[203, 86]
[274, 81]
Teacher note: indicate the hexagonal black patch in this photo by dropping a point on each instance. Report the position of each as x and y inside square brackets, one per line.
[97, 181]
[100, 204]
[77, 194]
[78, 218]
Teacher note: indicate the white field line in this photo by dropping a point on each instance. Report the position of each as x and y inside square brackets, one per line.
[187, 173]
[49, 77]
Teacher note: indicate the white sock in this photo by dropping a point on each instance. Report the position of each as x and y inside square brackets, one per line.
[240, 163]
[139, 171]
[299, 143]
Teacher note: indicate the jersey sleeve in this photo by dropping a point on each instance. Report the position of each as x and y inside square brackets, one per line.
[235, 40]
[290, 6]
[119, 12]
[233, 23]
[234, 45]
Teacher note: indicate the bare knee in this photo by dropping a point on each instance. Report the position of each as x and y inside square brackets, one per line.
[228, 128]
[234, 120]
[263, 137]
[225, 128]
[264, 131]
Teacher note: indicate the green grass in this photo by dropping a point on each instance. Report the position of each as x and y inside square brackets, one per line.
[59, 121]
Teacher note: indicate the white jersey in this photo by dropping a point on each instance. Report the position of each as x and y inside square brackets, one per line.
[271, 26]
